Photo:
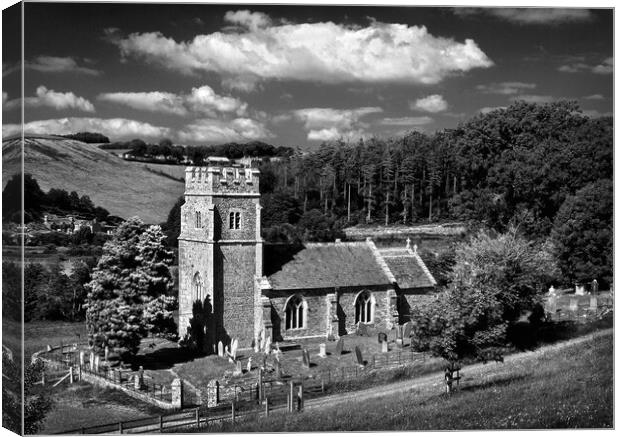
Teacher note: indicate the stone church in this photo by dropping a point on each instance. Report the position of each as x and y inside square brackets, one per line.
[232, 285]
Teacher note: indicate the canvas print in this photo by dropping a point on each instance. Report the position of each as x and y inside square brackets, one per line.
[291, 218]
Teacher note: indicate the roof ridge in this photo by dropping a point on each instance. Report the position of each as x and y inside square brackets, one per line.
[422, 265]
[386, 270]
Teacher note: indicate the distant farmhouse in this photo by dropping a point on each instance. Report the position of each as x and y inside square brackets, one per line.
[232, 285]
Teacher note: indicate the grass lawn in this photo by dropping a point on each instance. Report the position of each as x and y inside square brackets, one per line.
[567, 387]
[37, 335]
[84, 405]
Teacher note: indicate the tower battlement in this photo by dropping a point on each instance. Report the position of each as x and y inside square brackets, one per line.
[221, 179]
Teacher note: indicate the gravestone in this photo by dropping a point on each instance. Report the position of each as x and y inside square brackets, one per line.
[322, 351]
[106, 352]
[580, 289]
[213, 393]
[139, 379]
[573, 304]
[593, 303]
[177, 393]
[381, 337]
[594, 286]
[82, 358]
[249, 365]
[220, 349]
[262, 344]
[227, 352]
[267, 348]
[407, 329]
[552, 290]
[92, 362]
[238, 370]
[305, 359]
[49, 348]
[339, 346]
[384, 347]
[358, 356]
[96, 363]
[233, 348]
[399, 342]
[278, 369]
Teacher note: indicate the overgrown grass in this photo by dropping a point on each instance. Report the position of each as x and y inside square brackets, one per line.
[571, 387]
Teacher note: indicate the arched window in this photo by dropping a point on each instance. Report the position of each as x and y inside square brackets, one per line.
[295, 313]
[364, 308]
[197, 287]
[198, 219]
[234, 220]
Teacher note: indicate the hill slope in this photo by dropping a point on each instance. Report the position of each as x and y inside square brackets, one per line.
[124, 188]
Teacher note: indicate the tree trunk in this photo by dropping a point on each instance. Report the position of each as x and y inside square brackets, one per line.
[349, 205]
[305, 201]
[369, 204]
[412, 201]
[405, 207]
[430, 205]
[387, 208]
[454, 187]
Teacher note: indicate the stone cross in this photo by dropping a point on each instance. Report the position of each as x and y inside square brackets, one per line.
[305, 359]
[339, 346]
[408, 243]
[594, 286]
[220, 349]
[322, 351]
[358, 356]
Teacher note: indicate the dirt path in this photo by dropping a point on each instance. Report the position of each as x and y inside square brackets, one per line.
[435, 380]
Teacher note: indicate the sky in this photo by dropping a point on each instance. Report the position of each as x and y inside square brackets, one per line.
[294, 75]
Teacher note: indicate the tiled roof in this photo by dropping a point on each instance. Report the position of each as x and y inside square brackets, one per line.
[323, 265]
[408, 268]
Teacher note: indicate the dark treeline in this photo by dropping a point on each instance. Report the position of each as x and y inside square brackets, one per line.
[37, 202]
[88, 137]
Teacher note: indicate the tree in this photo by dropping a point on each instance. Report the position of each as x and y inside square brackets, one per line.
[132, 271]
[493, 282]
[12, 199]
[11, 291]
[582, 234]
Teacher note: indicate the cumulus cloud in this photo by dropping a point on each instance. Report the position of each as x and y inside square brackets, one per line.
[487, 109]
[593, 113]
[505, 88]
[212, 130]
[595, 97]
[325, 124]
[604, 67]
[433, 103]
[407, 121]
[202, 100]
[534, 98]
[318, 52]
[53, 99]
[530, 15]
[117, 128]
[56, 64]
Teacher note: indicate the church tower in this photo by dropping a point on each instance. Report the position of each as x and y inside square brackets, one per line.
[220, 255]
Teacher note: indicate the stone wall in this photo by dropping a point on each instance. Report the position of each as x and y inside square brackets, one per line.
[244, 205]
[315, 321]
[408, 300]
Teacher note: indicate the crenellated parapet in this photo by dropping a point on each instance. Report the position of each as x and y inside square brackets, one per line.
[215, 180]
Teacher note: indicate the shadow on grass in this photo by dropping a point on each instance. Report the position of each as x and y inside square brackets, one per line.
[500, 382]
[164, 358]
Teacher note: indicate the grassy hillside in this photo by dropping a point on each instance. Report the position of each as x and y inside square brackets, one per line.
[124, 188]
[561, 386]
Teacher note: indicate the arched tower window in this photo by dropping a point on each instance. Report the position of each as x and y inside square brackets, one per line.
[364, 308]
[234, 220]
[296, 313]
[198, 220]
[197, 287]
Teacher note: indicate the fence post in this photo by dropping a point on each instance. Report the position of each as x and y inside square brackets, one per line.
[291, 395]
[71, 375]
[197, 417]
[260, 384]
[266, 407]
[120, 427]
[232, 414]
[161, 423]
[300, 406]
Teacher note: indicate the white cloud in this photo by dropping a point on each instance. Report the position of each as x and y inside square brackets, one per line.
[202, 100]
[530, 15]
[215, 131]
[407, 121]
[317, 52]
[116, 128]
[53, 99]
[324, 124]
[534, 98]
[594, 97]
[56, 64]
[505, 88]
[433, 103]
[605, 67]
[593, 113]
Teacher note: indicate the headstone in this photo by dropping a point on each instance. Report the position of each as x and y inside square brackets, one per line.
[552, 290]
[267, 348]
[382, 337]
[96, 363]
[580, 289]
[238, 370]
[49, 348]
[106, 351]
[262, 344]
[234, 347]
[358, 356]
[220, 349]
[226, 351]
[305, 359]
[138, 379]
[177, 393]
[249, 365]
[82, 358]
[573, 304]
[339, 346]
[407, 329]
[594, 286]
[213, 393]
[92, 362]
[257, 345]
[399, 342]
[593, 303]
[384, 347]
[322, 350]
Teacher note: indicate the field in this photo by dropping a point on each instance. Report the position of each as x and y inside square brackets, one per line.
[124, 188]
[562, 386]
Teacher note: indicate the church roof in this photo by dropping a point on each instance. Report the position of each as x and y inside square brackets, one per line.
[408, 268]
[343, 264]
[323, 265]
